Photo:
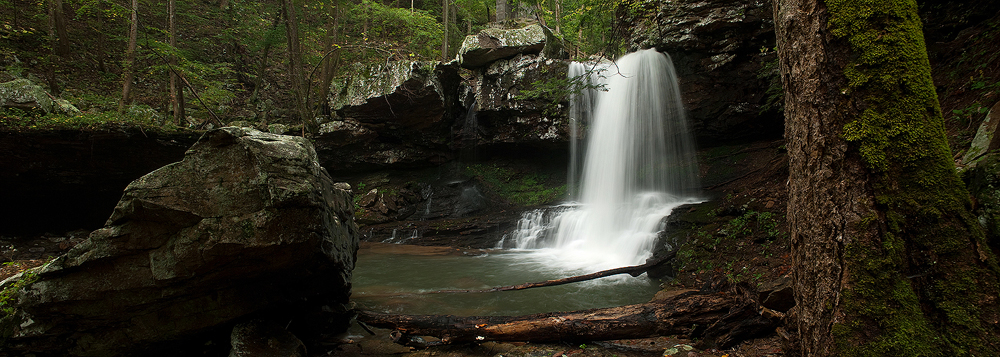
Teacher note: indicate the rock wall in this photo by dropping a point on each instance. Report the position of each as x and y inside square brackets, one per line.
[248, 223]
[724, 52]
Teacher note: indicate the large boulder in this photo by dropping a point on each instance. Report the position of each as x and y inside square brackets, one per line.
[493, 44]
[724, 52]
[22, 94]
[395, 114]
[512, 106]
[247, 223]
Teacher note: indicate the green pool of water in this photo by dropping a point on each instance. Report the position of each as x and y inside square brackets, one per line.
[395, 278]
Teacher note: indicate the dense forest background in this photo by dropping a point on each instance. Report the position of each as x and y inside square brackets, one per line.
[259, 61]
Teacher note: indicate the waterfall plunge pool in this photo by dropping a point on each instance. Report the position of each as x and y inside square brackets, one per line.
[390, 278]
[638, 165]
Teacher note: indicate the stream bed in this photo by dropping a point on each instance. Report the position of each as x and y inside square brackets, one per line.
[394, 278]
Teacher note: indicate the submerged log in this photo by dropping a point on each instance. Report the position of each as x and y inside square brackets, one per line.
[721, 319]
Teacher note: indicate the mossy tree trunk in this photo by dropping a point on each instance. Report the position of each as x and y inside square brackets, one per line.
[887, 258]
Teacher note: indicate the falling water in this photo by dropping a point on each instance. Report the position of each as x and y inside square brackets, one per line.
[639, 165]
[586, 81]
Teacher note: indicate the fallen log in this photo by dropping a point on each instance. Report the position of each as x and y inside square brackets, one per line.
[721, 319]
[633, 270]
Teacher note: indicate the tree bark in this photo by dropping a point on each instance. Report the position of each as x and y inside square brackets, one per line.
[721, 319]
[295, 66]
[58, 27]
[503, 10]
[331, 61]
[887, 259]
[445, 19]
[129, 76]
[176, 92]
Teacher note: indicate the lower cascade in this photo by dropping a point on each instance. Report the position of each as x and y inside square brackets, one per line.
[639, 165]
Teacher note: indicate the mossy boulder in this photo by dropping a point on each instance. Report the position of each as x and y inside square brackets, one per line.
[493, 44]
[511, 108]
[22, 94]
[247, 223]
[986, 139]
[399, 113]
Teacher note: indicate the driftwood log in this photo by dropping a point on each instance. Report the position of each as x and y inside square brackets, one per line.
[720, 318]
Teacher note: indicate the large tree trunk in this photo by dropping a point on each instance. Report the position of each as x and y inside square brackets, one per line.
[176, 91]
[133, 35]
[887, 258]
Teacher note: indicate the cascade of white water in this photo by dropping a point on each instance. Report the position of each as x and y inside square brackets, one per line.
[639, 165]
[586, 81]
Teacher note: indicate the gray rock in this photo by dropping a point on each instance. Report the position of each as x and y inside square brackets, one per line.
[493, 44]
[505, 111]
[395, 114]
[22, 94]
[247, 222]
[986, 139]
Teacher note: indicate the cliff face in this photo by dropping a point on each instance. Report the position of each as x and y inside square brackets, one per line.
[724, 54]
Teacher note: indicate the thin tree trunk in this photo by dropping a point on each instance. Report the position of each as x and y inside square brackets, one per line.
[295, 67]
[444, 20]
[50, 59]
[331, 62]
[558, 5]
[57, 18]
[503, 10]
[880, 229]
[133, 35]
[176, 92]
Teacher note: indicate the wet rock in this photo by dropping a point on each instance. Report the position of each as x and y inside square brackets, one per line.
[724, 54]
[247, 222]
[509, 112]
[493, 44]
[22, 94]
[402, 93]
[986, 139]
[398, 114]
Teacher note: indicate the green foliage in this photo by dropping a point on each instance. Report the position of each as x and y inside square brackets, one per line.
[135, 116]
[526, 189]
[8, 299]
[553, 91]
[775, 92]
[399, 31]
[970, 113]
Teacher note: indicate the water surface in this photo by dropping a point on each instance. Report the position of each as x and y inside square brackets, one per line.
[392, 278]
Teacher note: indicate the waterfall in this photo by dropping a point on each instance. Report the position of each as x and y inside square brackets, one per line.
[639, 165]
[586, 81]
